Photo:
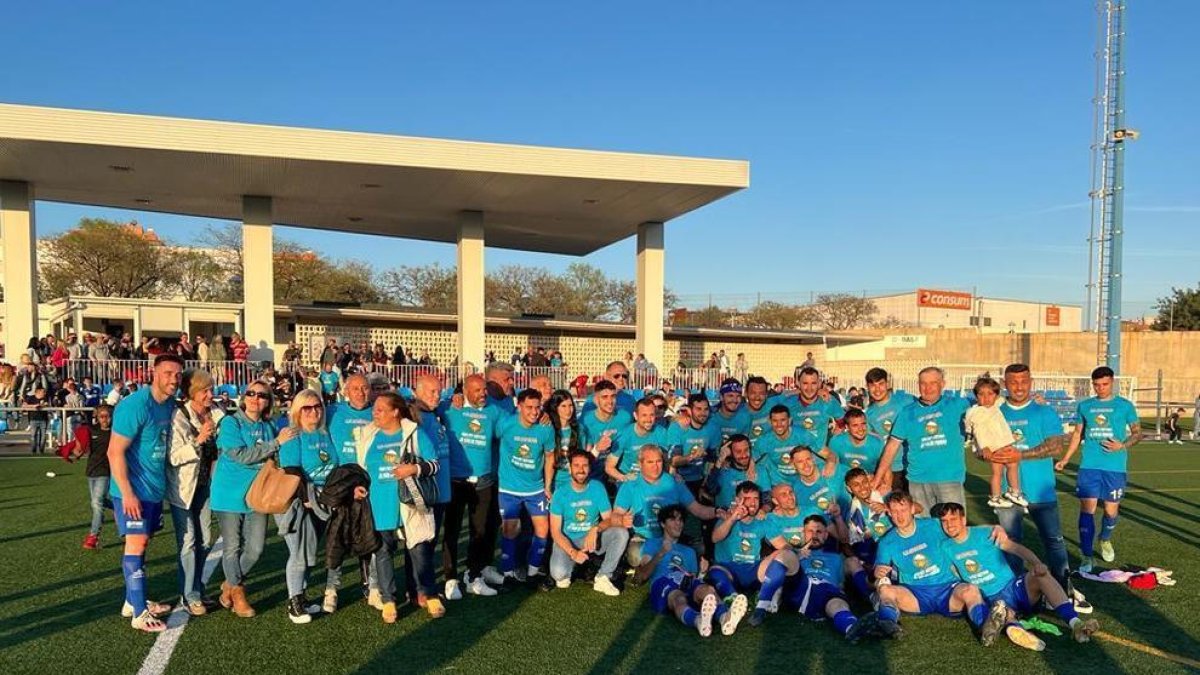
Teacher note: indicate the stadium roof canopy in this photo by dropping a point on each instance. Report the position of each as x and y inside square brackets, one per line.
[535, 198]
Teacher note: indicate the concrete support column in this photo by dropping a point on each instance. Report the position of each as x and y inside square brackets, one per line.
[20, 267]
[650, 289]
[470, 288]
[258, 277]
[77, 322]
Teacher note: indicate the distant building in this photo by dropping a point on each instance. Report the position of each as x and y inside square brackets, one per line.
[934, 308]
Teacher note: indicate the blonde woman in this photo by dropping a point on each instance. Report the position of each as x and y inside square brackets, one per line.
[189, 479]
[311, 451]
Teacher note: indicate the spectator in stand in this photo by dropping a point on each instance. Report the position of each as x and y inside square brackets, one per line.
[8, 376]
[216, 350]
[398, 356]
[809, 361]
[58, 359]
[183, 348]
[34, 350]
[202, 351]
[330, 352]
[426, 359]
[154, 348]
[100, 353]
[380, 356]
[723, 362]
[28, 378]
[39, 419]
[345, 357]
[628, 359]
[123, 349]
[641, 364]
[291, 357]
[239, 347]
[741, 367]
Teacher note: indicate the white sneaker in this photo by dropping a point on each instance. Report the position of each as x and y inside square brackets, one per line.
[1107, 552]
[148, 622]
[562, 583]
[604, 585]
[532, 572]
[374, 599]
[1080, 601]
[737, 609]
[453, 592]
[999, 502]
[159, 609]
[478, 586]
[704, 620]
[330, 602]
[491, 576]
[1017, 499]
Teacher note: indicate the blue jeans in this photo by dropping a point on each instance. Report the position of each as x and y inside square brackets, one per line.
[611, 546]
[194, 539]
[37, 436]
[1046, 519]
[295, 572]
[97, 488]
[419, 561]
[244, 535]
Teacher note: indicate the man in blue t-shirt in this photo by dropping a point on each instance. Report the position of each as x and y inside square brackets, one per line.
[137, 455]
[639, 500]
[598, 427]
[526, 480]
[345, 417]
[622, 463]
[933, 429]
[857, 448]
[912, 553]
[330, 381]
[827, 495]
[885, 405]
[813, 414]
[673, 573]
[981, 561]
[472, 429]
[693, 445]
[582, 529]
[740, 565]
[1037, 430]
[731, 417]
[1108, 426]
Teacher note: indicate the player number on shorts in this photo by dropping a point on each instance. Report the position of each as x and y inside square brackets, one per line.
[1117, 494]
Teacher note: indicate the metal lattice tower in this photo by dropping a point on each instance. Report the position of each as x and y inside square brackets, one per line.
[1108, 184]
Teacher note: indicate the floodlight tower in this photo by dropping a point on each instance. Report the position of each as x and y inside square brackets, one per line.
[1109, 135]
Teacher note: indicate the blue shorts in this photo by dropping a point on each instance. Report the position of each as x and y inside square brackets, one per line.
[933, 599]
[810, 596]
[150, 523]
[1016, 596]
[511, 505]
[745, 575]
[1107, 486]
[661, 590]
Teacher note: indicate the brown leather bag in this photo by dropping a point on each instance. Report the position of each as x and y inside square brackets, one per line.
[273, 489]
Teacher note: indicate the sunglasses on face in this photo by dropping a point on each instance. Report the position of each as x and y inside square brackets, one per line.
[310, 408]
[621, 376]
[262, 395]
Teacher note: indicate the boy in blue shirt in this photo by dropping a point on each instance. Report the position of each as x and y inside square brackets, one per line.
[1108, 426]
[582, 530]
[137, 455]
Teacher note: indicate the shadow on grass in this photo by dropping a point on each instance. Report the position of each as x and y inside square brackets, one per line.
[82, 527]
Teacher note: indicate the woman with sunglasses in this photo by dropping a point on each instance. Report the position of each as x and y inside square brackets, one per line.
[560, 409]
[310, 450]
[245, 440]
[381, 448]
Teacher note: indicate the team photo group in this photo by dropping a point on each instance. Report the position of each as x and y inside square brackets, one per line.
[725, 513]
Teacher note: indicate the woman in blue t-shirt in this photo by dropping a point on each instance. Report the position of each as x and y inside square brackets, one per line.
[560, 409]
[311, 451]
[245, 440]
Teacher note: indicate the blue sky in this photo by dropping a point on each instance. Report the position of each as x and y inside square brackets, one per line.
[892, 145]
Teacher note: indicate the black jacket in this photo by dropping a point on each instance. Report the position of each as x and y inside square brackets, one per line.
[351, 529]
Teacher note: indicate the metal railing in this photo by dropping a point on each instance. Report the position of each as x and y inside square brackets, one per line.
[114, 372]
[59, 426]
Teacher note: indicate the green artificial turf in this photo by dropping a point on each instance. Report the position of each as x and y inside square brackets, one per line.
[59, 604]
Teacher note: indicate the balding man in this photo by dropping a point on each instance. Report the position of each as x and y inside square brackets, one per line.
[543, 386]
[471, 430]
[345, 417]
[500, 386]
[617, 373]
[419, 562]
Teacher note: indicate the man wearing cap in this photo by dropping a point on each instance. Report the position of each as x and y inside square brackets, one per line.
[731, 417]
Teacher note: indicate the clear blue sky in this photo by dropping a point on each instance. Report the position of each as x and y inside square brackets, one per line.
[892, 144]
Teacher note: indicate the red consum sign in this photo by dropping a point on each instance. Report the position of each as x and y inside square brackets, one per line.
[927, 297]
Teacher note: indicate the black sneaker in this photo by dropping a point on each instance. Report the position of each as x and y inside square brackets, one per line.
[298, 610]
[757, 617]
[889, 629]
[866, 626]
[547, 584]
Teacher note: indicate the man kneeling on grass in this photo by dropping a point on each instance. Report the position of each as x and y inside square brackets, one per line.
[675, 586]
[581, 528]
[981, 561]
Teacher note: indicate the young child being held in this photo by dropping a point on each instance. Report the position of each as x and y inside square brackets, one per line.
[986, 424]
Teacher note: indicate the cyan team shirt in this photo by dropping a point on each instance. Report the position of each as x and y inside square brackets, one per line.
[580, 510]
[562, 459]
[678, 563]
[918, 558]
[744, 543]
[329, 382]
[881, 417]
[343, 420]
[504, 403]
[935, 440]
[231, 479]
[979, 560]
[824, 566]
[1031, 424]
[471, 432]
[722, 485]
[643, 499]
[523, 453]
[312, 451]
[147, 425]
[592, 429]
[737, 423]
[812, 420]
[1101, 421]
[683, 440]
[851, 455]
[625, 402]
[381, 458]
[629, 444]
[872, 525]
[821, 493]
[791, 528]
[773, 454]
[759, 425]
[432, 426]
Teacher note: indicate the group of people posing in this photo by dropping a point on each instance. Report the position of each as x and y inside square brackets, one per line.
[727, 511]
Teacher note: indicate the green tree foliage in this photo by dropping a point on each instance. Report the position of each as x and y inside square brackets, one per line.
[302, 275]
[1178, 311]
[777, 316]
[107, 259]
[840, 311]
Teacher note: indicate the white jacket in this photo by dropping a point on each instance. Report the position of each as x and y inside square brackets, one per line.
[183, 460]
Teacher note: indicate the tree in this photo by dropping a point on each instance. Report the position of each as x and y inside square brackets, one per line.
[516, 289]
[776, 316]
[889, 321]
[198, 277]
[622, 298]
[1178, 311]
[302, 275]
[709, 317]
[431, 287]
[106, 259]
[840, 311]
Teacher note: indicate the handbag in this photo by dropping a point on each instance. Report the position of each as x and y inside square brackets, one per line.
[273, 489]
[420, 492]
